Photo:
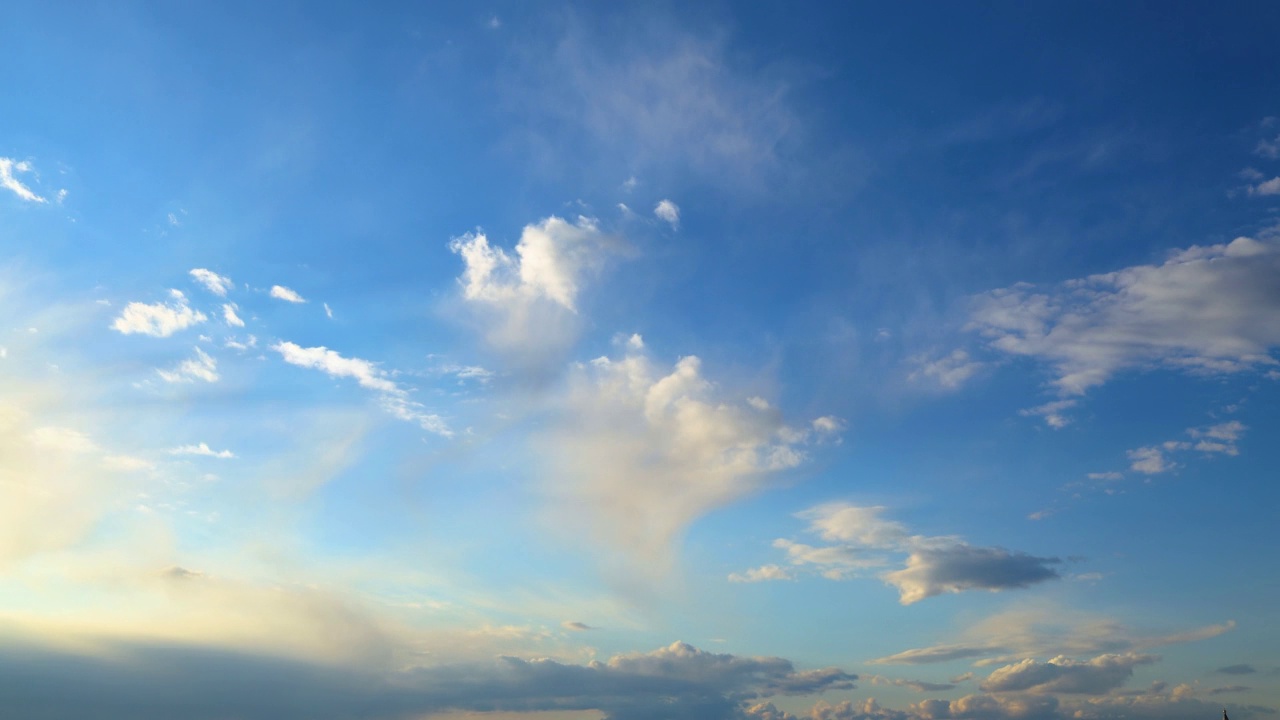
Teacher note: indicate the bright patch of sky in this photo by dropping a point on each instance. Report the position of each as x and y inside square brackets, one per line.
[897, 362]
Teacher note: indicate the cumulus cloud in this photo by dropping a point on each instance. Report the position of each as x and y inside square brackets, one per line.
[529, 299]
[212, 281]
[1064, 675]
[9, 166]
[202, 449]
[158, 319]
[281, 292]
[201, 367]
[864, 539]
[1208, 310]
[160, 682]
[1052, 412]
[639, 451]
[1266, 187]
[393, 398]
[762, 573]
[668, 212]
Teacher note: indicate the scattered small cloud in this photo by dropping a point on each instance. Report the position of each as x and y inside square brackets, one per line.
[576, 626]
[127, 463]
[62, 439]
[1241, 669]
[1268, 148]
[668, 212]
[1052, 412]
[281, 292]
[229, 315]
[1266, 188]
[328, 311]
[948, 372]
[212, 281]
[158, 319]
[761, 574]
[203, 450]
[8, 167]
[201, 367]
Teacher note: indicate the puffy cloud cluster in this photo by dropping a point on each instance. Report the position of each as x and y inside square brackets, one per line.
[393, 398]
[1156, 459]
[1213, 309]
[212, 281]
[639, 451]
[158, 319]
[201, 367]
[529, 299]
[862, 538]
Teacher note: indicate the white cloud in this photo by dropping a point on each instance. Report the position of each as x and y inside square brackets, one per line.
[328, 311]
[203, 450]
[1220, 438]
[393, 398]
[229, 315]
[1052, 412]
[1065, 675]
[212, 281]
[1109, 475]
[863, 539]
[764, 572]
[127, 463]
[1267, 187]
[949, 371]
[668, 212]
[9, 166]
[1208, 310]
[529, 300]
[158, 319]
[1269, 148]
[639, 452]
[281, 292]
[201, 367]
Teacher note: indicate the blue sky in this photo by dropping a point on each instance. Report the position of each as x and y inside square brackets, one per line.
[907, 362]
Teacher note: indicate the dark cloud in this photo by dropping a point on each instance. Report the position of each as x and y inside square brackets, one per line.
[1064, 675]
[1240, 669]
[157, 682]
[576, 626]
[1229, 689]
[960, 567]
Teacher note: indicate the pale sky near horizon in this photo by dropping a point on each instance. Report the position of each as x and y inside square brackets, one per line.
[910, 361]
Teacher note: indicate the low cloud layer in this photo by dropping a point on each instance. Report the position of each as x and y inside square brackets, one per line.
[863, 539]
[136, 681]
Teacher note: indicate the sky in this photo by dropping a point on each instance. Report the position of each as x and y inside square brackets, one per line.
[731, 361]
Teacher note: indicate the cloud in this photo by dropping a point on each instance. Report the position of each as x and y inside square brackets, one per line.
[142, 681]
[639, 451]
[961, 567]
[9, 166]
[1220, 438]
[934, 565]
[230, 317]
[1229, 689]
[212, 281]
[760, 574]
[1265, 188]
[281, 292]
[1046, 631]
[1064, 675]
[575, 626]
[917, 685]
[949, 372]
[1207, 310]
[1241, 669]
[201, 367]
[127, 463]
[158, 319]
[328, 311]
[203, 450]
[1051, 412]
[668, 212]
[63, 440]
[393, 398]
[529, 300]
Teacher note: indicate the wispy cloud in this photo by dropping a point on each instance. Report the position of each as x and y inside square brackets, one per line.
[202, 449]
[393, 398]
[212, 281]
[9, 166]
[281, 292]
[201, 367]
[668, 212]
